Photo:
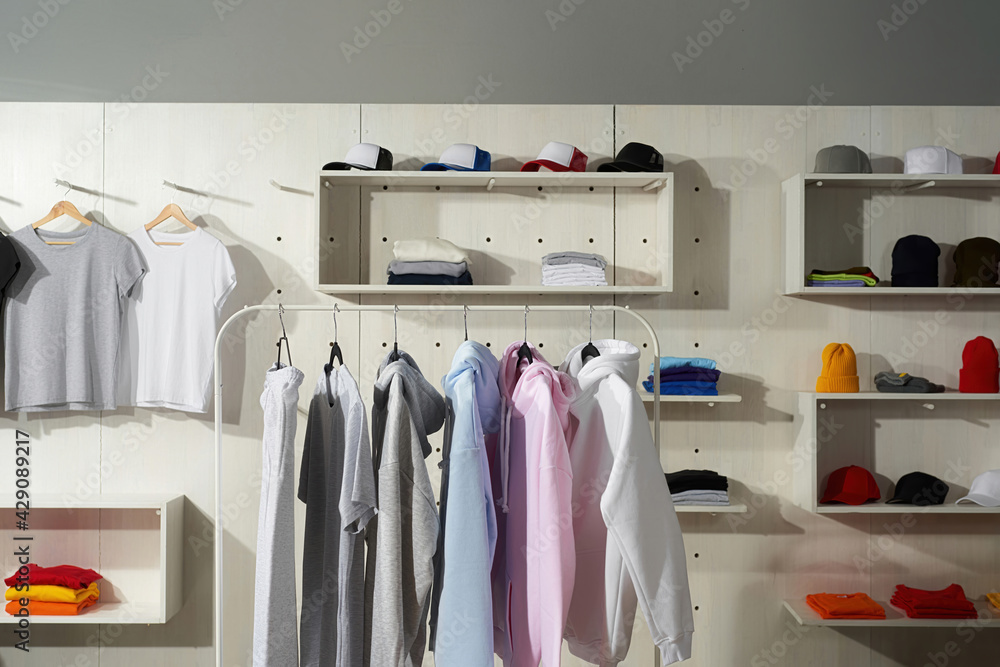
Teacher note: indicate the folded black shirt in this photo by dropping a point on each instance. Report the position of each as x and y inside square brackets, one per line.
[701, 480]
[429, 279]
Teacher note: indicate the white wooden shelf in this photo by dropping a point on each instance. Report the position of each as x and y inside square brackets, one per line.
[134, 541]
[711, 509]
[499, 179]
[506, 222]
[673, 398]
[921, 398]
[835, 221]
[540, 290]
[894, 618]
[841, 429]
[884, 508]
[103, 612]
[895, 291]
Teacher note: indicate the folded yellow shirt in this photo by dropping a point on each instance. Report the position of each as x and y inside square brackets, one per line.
[994, 598]
[54, 593]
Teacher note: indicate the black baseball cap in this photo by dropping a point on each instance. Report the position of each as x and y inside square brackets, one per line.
[367, 157]
[635, 157]
[919, 488]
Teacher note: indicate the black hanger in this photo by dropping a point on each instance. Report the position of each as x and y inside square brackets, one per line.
[465, 315]
[394, 355]
[335, 352]
[590, 350]
[524, 352]
[284, 337]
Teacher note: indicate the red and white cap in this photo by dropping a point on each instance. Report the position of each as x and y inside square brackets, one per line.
[558, 156]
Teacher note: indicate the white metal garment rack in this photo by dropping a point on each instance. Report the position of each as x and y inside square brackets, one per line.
[250, 310]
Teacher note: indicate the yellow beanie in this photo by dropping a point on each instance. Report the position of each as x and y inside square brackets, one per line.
[840, 370]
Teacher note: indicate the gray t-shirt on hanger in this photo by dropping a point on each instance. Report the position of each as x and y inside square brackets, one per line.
[64, 317]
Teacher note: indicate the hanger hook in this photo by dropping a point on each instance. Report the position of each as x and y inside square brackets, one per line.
[284, 337]
[591, 333]
[526, 323]
[465, 316]
[336, 309]
[395, 336]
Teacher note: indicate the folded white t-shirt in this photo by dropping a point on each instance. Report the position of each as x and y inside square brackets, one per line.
[428, 250]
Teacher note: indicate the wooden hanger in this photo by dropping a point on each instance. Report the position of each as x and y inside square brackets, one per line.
[174, 211]
[60, 209]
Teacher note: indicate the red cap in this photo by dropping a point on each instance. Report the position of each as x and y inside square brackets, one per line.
[980, 372]
[996, 166]
[852, 485]
[558, 156]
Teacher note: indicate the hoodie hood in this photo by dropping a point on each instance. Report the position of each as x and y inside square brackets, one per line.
[427, 407]
[476, 358]
[617, 356]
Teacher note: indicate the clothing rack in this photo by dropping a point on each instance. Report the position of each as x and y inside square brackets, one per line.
[250, 310]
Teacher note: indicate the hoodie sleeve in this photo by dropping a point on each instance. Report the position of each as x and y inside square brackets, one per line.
[642, 522]
[552, 560]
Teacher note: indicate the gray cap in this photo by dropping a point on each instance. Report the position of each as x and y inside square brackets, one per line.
[842, 160]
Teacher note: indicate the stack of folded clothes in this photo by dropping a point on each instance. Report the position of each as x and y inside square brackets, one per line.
[574, 268]
[698, 487]
[946, 603]
[62, 590]
[845, 607]
[428, 262]
[858, 276]
[994, 599]
[904, 383]
[685, 376]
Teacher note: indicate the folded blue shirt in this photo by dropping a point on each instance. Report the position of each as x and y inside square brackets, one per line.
[687, 374]
[675, 362]
[684, 388]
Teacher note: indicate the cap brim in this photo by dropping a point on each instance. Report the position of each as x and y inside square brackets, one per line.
[535, 165]
[980, 499]
[847, 498]
[343, 166]
[622, 165]
[441, 166]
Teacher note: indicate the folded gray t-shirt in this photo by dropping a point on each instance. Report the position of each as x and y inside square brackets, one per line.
[904, 383]
[428, 268]
[573, 257]
[64, 317]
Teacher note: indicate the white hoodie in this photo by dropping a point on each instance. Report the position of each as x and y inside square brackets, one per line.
[628, 541]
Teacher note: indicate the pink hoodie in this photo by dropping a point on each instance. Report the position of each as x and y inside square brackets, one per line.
[533, 576]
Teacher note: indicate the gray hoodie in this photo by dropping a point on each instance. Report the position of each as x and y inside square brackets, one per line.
[403, 536]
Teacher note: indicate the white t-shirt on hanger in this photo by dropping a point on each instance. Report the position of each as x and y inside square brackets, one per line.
[168, 339]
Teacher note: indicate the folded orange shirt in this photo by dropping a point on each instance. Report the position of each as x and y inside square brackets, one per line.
[848, 606]
[54, 593]
[994, 599]
[42, 608]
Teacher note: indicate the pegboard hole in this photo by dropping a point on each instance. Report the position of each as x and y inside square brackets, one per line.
[279, 238]
[539, 240]
[331, 343]
[539, 188]
[488, 239]
[541, 345]
[697, 189]
[279, 291]
[591, 240]
[487, 343]
[437, 344]
[437, 187]
[591, 188]
[331, 239]
[645, 240]
[696, 554]
[644, 344]
[696, 292]
[696, 450]
[697, 240]
[385, 345]
[697, 345]
[385, 187]
[385, 239]
[696, 607]
[437, 449]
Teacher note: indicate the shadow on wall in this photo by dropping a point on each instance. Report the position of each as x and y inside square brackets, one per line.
[753, 407]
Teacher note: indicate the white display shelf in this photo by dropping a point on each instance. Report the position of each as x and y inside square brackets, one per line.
[826, 226]
[499, 179]
[540, 290]
[885, 508]
[902, 180]
[506, 221]
[671, 398]
[921, 398]
[894, 618]
[711, 509]
[134, 541]
[854, 442]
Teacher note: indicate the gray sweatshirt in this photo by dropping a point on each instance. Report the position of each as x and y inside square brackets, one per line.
[403, 536]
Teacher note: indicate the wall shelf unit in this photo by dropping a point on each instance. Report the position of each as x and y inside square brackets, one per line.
[835, 221]
[506, 220]
[134, 541]
[894, 618]
[884, 434]
[710, 400]
[711, 509]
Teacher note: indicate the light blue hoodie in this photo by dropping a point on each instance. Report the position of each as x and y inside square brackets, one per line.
[462, 611]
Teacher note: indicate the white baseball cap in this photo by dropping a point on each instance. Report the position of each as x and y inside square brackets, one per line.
[367, 157]
[985, 490]
[461, 157]
[932, 160]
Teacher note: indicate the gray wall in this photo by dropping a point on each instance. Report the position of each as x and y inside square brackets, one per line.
[927, 52]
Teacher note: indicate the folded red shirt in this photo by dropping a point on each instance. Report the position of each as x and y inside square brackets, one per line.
[846, 606]
[948, 602]
[69, 576]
